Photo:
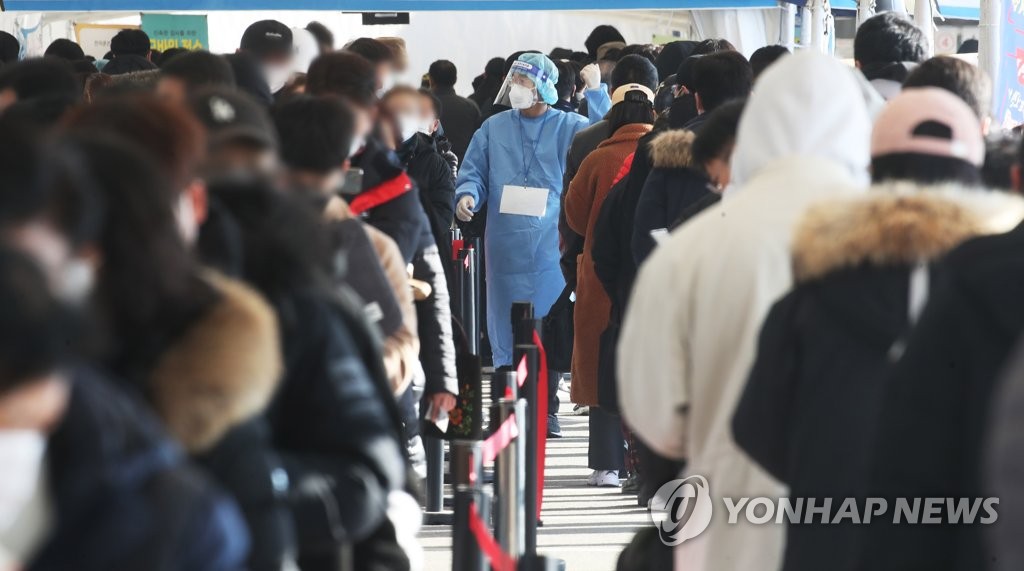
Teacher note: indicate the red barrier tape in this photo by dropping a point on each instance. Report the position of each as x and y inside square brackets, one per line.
[502, 437]
[542, 418]
[500, 560]
[456, 246]
[521, 372]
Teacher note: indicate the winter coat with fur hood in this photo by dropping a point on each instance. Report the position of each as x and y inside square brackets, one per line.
[672, 186]
[211, 385]
[861, 269]
[939, 400]
[690, 333]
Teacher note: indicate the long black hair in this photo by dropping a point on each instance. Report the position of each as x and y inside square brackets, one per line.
[924, 169]
[635, 108]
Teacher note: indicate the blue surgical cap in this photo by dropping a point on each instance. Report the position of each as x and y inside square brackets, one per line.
[543, 73]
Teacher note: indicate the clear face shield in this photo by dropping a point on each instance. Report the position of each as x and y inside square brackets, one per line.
[519, 87]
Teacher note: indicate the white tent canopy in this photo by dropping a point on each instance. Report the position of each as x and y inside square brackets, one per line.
[467, 38]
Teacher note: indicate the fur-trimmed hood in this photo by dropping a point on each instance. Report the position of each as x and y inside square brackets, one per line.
[896, 224]
[672, 149]
[222, 371]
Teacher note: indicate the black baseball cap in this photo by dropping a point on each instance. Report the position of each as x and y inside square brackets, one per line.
[232, 116]
[267, 38]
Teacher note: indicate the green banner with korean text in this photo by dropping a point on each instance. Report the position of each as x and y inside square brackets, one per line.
[167, 31]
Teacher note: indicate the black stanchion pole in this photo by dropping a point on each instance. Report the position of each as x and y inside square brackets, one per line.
[523, 324]
[530, 443]
[467, 471]
[523, 327]
[433, 449]
[468, 297]
[476, 244]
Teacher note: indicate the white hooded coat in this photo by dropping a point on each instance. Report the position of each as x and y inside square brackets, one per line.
[690, 335]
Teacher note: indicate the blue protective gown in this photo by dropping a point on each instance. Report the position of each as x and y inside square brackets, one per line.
[599, 103]
[522, 251]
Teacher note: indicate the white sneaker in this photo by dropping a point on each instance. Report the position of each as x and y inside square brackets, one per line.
[604, 479]
[580, 410]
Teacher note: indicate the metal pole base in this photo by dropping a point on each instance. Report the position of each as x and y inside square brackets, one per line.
[438, 518]
[540, 563]
[435, 513]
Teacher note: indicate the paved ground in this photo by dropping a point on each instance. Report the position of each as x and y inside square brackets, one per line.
[587, 527]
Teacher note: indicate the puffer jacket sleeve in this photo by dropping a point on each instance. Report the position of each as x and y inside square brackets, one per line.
[761, 423]
[650, 215]
[441, 193]
[437, 348]
[339, 446]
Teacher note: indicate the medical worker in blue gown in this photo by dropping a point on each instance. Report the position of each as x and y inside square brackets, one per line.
[514, 168]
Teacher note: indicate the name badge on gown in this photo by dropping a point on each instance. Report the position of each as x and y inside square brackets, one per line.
[523, 200]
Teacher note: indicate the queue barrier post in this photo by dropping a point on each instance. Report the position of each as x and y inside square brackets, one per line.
[466, 286]
[530, 491]
[433, 449]
[510, 478]
[467, 473]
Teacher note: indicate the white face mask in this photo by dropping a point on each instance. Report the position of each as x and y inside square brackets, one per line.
[185, 215]
[277, 76]
[76, 282]
[427, 127]
[409, 125]
[357, 145]
[386, 85]
[521, 97]
[21, 455]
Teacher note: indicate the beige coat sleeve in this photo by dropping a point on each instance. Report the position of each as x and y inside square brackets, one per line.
[402, 348]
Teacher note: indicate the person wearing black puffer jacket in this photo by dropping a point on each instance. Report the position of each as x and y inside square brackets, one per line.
[690, 171]
[200, 347]
[333, 422]
[418, 153]
[829, 408]
[423, 162]
[388, 200]
[91, 481]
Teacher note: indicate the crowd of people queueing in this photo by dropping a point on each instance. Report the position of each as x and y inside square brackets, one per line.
[227, 316]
